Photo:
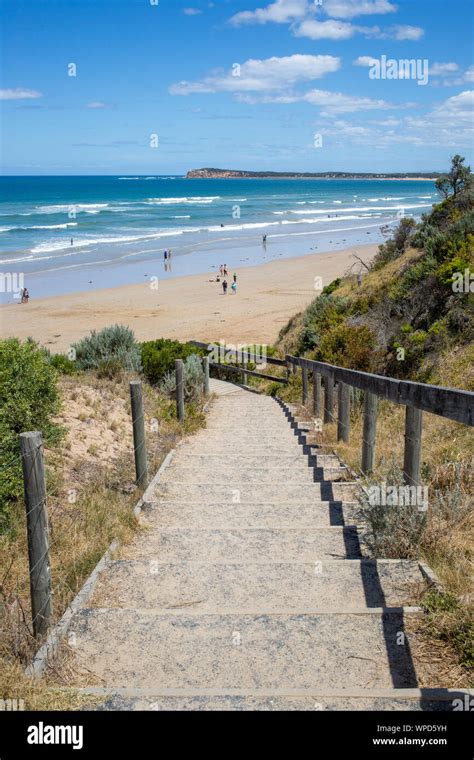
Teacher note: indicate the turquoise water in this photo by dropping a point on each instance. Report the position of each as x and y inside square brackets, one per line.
[64, 234]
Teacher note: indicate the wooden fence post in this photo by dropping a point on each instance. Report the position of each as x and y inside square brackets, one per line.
[139, 438]
[304, 374]
[317, 395]
[369, 432]
[31, 447]
[328, 398]
[205, 363]
[412, 455]
[179, 389]
[344, 412]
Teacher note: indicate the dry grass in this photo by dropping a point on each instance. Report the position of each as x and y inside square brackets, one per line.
[91, 494]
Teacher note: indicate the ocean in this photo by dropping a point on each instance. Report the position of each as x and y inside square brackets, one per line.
[65, 234]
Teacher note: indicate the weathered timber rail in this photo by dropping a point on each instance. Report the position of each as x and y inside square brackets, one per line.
[449, 403]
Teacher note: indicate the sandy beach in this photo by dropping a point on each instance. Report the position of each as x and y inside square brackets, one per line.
[186, 308]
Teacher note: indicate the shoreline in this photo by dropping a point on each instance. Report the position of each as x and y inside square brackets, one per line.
[187, 307]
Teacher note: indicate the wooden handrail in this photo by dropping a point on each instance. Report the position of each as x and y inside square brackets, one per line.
[450, 403]
[245, 371]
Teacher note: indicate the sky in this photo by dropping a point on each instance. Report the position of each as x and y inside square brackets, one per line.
[163, 86]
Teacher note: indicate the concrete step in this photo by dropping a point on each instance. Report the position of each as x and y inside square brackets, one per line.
[254, 473]
[261, 587]
[246, 545]
[249, 474]
[278, 700]
[276, 463]
[300, 651]
[227, 515]
[196, 445]
[238, 491]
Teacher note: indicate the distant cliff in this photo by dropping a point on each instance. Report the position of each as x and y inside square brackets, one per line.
[208, 173]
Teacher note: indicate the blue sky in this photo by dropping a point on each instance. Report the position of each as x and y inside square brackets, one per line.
[172, 69]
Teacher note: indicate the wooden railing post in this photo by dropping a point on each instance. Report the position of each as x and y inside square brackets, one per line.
[317, 395]
[205, 366]
[304, 374]
[139, 439]
[179, 389]
[328, 398]
[369, 432]
[344, 412]
[32, 462]
[412, 455]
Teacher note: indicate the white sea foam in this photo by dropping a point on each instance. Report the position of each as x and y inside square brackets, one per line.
[88, 208]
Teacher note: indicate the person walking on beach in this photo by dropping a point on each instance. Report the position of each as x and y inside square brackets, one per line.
[235, 277]
[264, 239]
[72, 241]
[224, 287]
[25, 296]
[225, 270]
[234, 288]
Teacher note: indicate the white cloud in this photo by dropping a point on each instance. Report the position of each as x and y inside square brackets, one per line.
[365, 60]
[262, 75]
[459, 108]
[406, 32]
[343, 30]
[18, 93]
[279, 12]
[469, 74]
[325, 30]
[192, 11]
[440, 69]
[353, 8]
[97, 104]
[330, 102]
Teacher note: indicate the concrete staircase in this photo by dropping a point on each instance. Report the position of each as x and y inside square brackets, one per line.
[248, 590]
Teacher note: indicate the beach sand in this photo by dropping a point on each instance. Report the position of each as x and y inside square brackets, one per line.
[186, 307]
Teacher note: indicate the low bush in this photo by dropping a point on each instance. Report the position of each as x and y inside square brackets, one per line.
[115, 345]
[30, 400]
[193, 379]
[158, 357]
[63, 364]
[351, 346]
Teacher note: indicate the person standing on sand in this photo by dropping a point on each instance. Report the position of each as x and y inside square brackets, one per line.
[225, 270]
[224, 287]
[234, 288]
[235, 277]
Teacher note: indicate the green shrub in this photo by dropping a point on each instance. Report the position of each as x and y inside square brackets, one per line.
[331, 287]
[321, 315]
[158, 357]
[351, 346]
[63, 364]
[30, 399]
[114, 345]
[193, 379]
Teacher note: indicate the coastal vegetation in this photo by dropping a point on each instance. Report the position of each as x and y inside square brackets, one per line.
[82, 408]
[411, 316]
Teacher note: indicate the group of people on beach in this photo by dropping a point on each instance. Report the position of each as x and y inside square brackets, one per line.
[224, 272]
[167, 255]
